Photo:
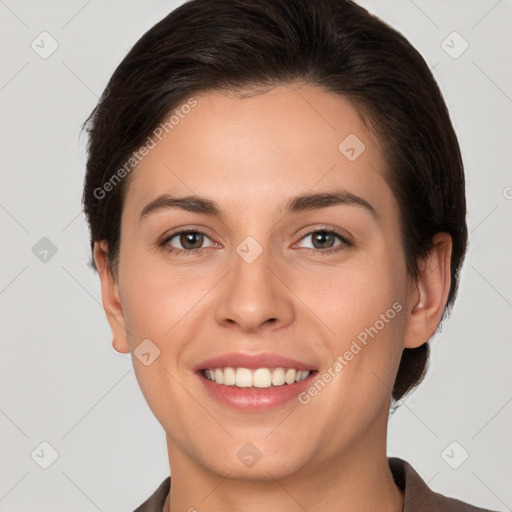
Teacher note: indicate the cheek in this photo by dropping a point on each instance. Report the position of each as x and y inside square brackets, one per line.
[351, 297]
[155, 300]
[162, 306]
[362, 308]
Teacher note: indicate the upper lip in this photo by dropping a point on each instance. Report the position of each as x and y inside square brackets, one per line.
[252, 361]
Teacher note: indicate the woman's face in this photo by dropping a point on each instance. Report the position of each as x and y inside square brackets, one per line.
[273, 275]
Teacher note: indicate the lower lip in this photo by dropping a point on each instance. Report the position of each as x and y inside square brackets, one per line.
[254, 399]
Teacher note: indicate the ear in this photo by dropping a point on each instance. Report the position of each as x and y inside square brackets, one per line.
[427, 302]
[110, 298]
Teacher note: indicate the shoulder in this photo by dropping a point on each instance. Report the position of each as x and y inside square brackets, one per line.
[419, 497]
[155, 503]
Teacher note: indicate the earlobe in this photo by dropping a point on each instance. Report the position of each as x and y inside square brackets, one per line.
[120, 347]
[111, 298]
[426, 305]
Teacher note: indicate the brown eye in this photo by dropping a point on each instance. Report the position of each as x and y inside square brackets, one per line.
[187, 241]
[191, 240]
[323, 239]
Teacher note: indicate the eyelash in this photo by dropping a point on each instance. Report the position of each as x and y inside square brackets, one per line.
[183, 252]
[193, 252]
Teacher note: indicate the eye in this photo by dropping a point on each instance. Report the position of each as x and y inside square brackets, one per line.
[189, 241]
[325, 241]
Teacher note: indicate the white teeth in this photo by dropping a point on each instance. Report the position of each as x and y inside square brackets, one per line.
[301, 375]
[243, 378]
[262, 378]
[219, 376]
[278, 377]
[290, 376]
[229, 376]
[258, 378]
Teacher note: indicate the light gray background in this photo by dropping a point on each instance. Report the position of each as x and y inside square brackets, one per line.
[61, 381]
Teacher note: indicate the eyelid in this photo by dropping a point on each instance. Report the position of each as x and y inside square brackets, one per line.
[165, 239]
[344, 237]
[184, 229]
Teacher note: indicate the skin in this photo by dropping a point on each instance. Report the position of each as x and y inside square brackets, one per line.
[250, 155]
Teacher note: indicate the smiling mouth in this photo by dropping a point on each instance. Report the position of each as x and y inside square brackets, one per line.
[255, 378]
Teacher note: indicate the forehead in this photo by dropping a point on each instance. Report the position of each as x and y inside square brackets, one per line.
[259, 150]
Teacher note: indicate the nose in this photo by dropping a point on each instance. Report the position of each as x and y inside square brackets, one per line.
[254, 297]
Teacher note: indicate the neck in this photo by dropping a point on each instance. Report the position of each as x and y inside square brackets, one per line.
[356, 479]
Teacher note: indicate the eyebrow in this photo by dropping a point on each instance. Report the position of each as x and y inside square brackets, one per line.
[297, 204]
